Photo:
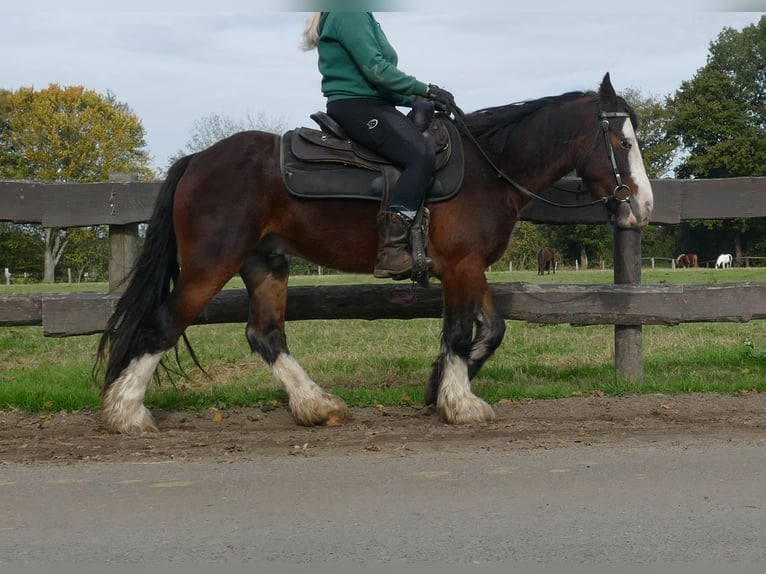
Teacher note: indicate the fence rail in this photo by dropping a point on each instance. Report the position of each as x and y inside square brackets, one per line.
[123, 204]
[86, 313]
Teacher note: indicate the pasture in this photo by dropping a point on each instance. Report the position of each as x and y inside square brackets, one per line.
[387, 362]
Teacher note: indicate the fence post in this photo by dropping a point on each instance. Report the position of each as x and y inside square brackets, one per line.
[628, 339]
[123, 243]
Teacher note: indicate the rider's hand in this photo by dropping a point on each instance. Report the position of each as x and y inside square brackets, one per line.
[442, 98]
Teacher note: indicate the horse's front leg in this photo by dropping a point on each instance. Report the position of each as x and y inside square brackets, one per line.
[265, 276]
[465, 303]
[490, 330]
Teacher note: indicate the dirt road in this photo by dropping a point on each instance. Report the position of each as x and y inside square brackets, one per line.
[594, 479]
[248, 434]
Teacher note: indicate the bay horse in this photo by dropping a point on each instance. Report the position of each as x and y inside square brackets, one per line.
[226, 210]
[687, 260]
[546, 260]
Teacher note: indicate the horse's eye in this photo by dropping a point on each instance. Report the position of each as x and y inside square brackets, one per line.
[626, 144]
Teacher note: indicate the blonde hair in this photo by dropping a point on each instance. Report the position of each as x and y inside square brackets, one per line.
[311, 32]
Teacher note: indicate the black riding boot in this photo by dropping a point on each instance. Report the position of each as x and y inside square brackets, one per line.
[394, 258]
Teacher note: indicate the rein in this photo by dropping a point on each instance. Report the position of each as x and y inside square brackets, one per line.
[603, 116]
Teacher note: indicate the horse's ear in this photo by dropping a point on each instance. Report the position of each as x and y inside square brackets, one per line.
[606, 91]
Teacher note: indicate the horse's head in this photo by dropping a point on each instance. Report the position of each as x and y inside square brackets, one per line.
[614, 168]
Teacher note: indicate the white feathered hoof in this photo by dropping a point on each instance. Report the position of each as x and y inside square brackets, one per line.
[133, 420]
[467, 410]
[309, 404]
[122, 404]
[319, 409]
[456, 404]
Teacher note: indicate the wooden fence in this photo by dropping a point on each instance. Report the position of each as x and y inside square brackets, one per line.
[123, 204]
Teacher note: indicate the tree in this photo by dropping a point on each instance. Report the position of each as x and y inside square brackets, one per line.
[720, 121]
[90, 253]
[526, 240]
[720, 114]
[581, 242]
[20, 247]
[68, 134]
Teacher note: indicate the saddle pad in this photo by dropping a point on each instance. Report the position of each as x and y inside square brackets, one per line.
[349, 179]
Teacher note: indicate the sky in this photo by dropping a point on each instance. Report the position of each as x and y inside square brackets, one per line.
[178, 62]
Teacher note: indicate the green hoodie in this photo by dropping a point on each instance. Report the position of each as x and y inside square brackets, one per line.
[356, 61]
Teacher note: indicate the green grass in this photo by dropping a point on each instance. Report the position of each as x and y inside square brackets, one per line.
[387, 361]
[566, 275]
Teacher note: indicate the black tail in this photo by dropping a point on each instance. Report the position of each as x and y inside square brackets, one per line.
[129, 332]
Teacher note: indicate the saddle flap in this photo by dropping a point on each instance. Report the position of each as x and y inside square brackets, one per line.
[315, 145]
[323, 139]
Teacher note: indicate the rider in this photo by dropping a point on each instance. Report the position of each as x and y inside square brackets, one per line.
[363, 85]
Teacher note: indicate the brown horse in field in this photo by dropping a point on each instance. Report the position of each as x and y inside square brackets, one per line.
[686, 260]
[546, 261]
[226, 211]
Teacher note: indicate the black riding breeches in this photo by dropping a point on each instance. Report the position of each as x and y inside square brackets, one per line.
[379, 126]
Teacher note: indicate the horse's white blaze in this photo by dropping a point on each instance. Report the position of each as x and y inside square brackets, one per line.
[123, 401]
[309, 404]
[456, 404]
[642, 202]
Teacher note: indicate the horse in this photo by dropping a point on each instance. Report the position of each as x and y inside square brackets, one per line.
[687, 260]
[546, 260]
[227, 210]
[724, 260]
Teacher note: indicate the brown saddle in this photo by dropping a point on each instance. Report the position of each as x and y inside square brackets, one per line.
[326, 163]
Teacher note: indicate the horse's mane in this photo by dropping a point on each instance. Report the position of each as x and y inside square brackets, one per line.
[495, 125]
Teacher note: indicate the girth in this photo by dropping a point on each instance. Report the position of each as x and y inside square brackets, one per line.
[321, 164]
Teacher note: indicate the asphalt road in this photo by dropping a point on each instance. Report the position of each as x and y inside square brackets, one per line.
[587, 505]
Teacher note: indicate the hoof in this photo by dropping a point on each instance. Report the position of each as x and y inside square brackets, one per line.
[467, 411]
[125, 422]
[322, 409]
[122, 402]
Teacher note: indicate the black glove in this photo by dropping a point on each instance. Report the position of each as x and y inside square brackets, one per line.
[442, 98]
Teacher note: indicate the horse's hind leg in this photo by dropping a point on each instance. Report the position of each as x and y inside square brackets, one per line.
[265, 274]
[462, 355]
[122, 400]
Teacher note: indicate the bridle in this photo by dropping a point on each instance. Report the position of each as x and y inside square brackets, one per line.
[620, 194]
[621, 188]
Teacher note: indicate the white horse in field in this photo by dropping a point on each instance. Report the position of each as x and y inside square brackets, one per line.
[724, 261]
